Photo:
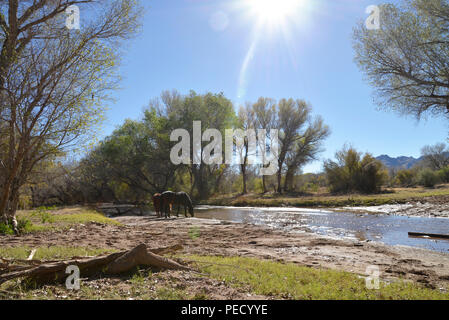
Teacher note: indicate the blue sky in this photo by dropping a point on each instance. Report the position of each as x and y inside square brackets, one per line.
[203, 45]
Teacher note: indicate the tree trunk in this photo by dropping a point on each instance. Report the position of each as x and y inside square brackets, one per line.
[279, 177]
[288, 183]
[112, 264]
[243, 168]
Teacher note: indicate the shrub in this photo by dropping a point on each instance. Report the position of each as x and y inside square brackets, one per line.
[443, 175]
[44, 215]
[351, 172]
[23, 225]
[405, 178]
[428, 178]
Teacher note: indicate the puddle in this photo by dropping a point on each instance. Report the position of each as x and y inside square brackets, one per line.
[389, 229]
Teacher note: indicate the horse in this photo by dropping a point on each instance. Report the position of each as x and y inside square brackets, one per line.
[157, 199]
[167, 200]
[170, 198]
[183, 199]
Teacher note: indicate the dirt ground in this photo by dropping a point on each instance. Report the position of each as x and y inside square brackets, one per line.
[210, 237]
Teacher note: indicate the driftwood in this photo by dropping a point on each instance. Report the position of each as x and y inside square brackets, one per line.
[112, 264]
[428, 235]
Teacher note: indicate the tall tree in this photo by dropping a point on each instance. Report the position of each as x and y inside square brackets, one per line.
[436, 156]
[214, 111]
[305, 149]
[245, 122]
[53, 80]
[291, 119]
[264, 119]
[407, 60]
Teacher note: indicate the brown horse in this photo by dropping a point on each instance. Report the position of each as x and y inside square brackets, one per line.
[170, 198]
[157, 203]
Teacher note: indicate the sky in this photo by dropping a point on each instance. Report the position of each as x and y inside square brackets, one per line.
[234, 47]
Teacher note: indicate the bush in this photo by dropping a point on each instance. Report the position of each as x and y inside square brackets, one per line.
[428, 178]
[443, 175]
[44, 215]
[354, 173]
[23, 225]
[405, 178]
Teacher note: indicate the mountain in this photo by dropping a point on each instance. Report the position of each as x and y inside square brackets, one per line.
[400, 162]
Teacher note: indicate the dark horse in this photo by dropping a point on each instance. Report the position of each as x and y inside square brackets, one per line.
[169, 199]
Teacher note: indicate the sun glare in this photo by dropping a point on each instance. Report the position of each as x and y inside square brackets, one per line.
[274, 11]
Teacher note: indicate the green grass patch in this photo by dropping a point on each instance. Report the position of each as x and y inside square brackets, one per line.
[84, 217]
[53, 219]
[291, 281]
[51, 253]
[24, 226]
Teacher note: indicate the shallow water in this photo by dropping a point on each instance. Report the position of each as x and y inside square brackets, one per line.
[389, 229]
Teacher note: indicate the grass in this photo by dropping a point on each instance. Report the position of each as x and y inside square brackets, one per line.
[51, 253]
[261, 277]
[138, 284]
[53, 219]
[393, 196]
[291, 281]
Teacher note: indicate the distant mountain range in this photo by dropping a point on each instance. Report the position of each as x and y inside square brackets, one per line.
[399, 162]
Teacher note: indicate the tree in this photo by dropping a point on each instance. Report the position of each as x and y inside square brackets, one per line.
[245, 122]
[54, 80]
[305, 149]
[427, 178]
[407, 60]
[436, 157]
[264, 119]
[214, 111]
[352, 172]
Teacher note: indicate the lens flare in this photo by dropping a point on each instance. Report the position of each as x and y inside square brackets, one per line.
[272, 19]
[274, 11]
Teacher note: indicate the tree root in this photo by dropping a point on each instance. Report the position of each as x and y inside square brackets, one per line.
[113, 264]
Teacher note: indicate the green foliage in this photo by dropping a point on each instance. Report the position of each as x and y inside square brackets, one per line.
[428, 178]
[351, 172]
[443, 175]
[41, 220]
[412, 38]
[405, 178]
[24, 226]
[43, 214]
[51, 253]
[6, 229]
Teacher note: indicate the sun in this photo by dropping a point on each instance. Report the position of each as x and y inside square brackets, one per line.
[274, 11]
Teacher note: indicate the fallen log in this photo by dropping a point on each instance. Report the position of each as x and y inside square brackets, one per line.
[428, 235]
[112, 264]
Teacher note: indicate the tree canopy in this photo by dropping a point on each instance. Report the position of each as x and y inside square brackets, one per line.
[407, 60]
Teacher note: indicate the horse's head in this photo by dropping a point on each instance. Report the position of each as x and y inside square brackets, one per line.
[191, 210]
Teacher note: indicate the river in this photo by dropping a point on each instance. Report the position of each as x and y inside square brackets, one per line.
[389, 229]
